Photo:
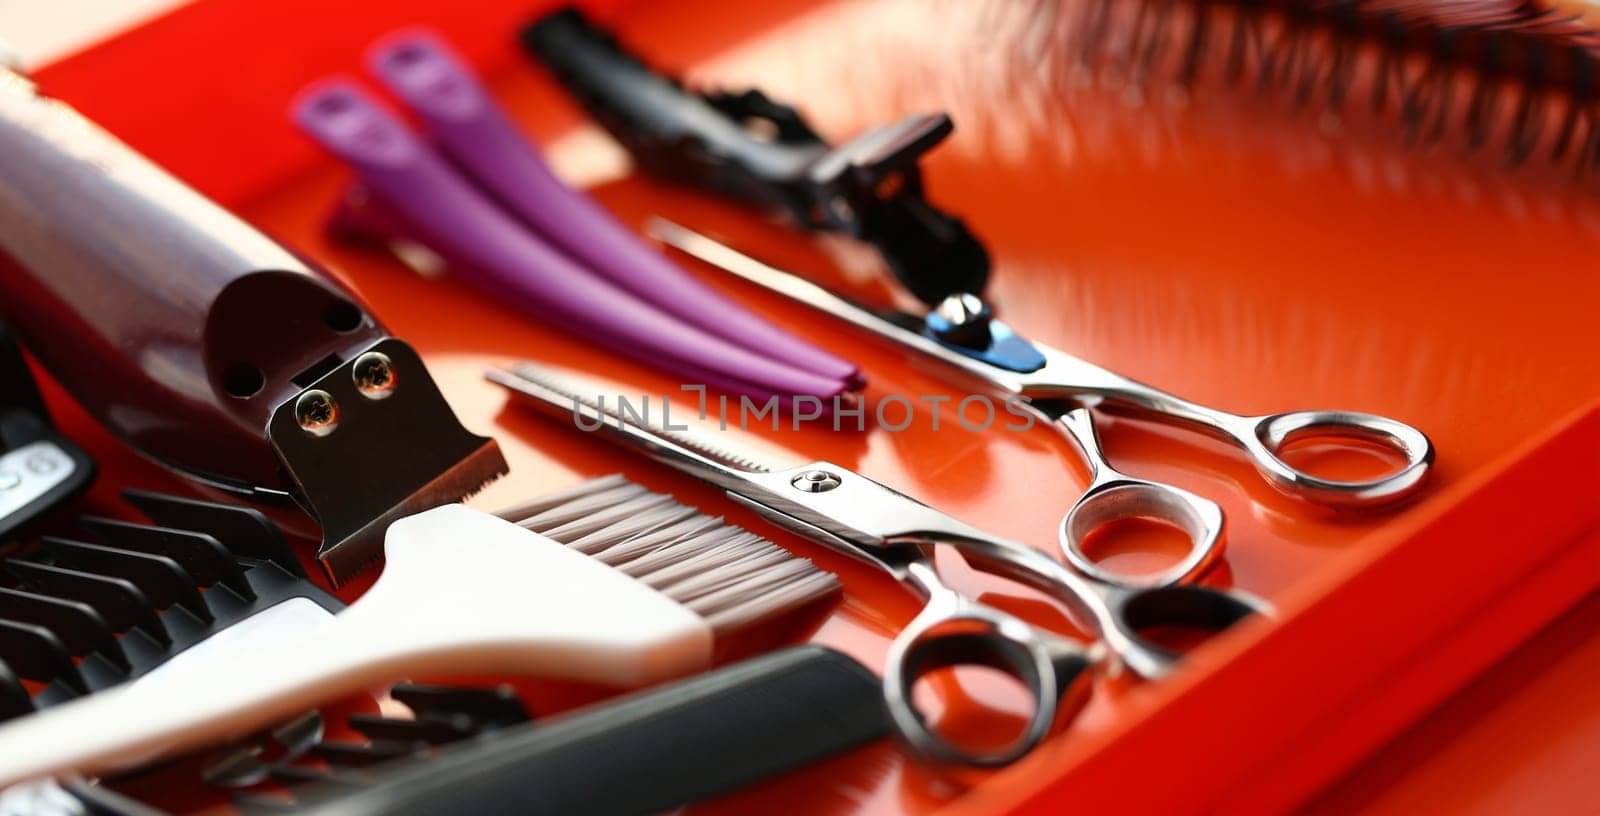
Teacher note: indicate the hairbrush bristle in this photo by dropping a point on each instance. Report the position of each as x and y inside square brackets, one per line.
[1514, 80]
[726, 574]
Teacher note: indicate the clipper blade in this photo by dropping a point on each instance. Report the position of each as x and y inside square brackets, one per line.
[372, 441]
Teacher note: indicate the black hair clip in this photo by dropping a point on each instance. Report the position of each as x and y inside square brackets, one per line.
[869, 188]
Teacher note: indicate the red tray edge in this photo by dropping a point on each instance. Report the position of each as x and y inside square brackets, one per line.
[1198, 743]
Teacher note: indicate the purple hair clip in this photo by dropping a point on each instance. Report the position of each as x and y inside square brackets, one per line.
[505, 224]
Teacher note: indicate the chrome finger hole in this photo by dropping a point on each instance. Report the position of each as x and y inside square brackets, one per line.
[967, 695]
[1343, 458]
[1116, 529]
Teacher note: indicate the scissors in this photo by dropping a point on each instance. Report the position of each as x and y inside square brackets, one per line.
[861, 518]
[984, 353]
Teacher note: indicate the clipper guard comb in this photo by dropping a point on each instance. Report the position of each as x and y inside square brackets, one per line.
[209, 347]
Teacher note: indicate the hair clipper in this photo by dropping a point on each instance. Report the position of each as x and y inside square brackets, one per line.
[40, 469]
[209, 347]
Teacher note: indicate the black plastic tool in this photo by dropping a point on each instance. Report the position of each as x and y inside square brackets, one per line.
[645, 753]
[341, 765]
[751, 148]
[79, 617]
[474, 749]
[39, 468]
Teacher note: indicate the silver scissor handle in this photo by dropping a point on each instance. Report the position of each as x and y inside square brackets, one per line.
[1264, 437]
[1119, 615]
[954, 631]
[1127, 605]
[1065, 377]
[1113, 496]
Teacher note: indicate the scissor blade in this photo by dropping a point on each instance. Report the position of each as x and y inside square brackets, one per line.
[975, 369]
[859, 532]
[829, 504]
[566, 396]
[885, 322]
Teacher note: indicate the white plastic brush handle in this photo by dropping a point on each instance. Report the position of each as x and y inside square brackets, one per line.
[462, 592]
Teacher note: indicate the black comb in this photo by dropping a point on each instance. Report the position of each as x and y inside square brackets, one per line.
[78, 617]
[677, 744]
[479, 748]
[440, 715]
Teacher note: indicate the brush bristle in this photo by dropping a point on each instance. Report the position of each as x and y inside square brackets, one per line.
[724, 573]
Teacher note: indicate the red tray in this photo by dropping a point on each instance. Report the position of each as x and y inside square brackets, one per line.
[1252, 274]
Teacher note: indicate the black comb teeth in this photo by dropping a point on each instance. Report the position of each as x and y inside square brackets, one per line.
[430, 731]
[120, 604]
[489, 708]
[37, 654]
[77, 617]
[441, 715]
[162, 581]
[248, 532]
[203, 557]
[79, 628]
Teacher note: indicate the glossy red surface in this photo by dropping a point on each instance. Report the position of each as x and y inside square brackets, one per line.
[1521, 739]
[1221, 251]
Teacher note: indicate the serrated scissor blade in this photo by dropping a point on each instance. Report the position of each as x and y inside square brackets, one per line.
[557, 394]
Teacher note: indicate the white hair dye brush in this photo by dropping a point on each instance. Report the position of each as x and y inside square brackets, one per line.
[604, 583]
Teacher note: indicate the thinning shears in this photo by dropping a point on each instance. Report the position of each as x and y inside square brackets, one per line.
[854, 515]
[978, 351]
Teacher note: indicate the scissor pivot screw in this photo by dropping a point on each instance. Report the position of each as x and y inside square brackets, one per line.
[962, 319]
[816, 481]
